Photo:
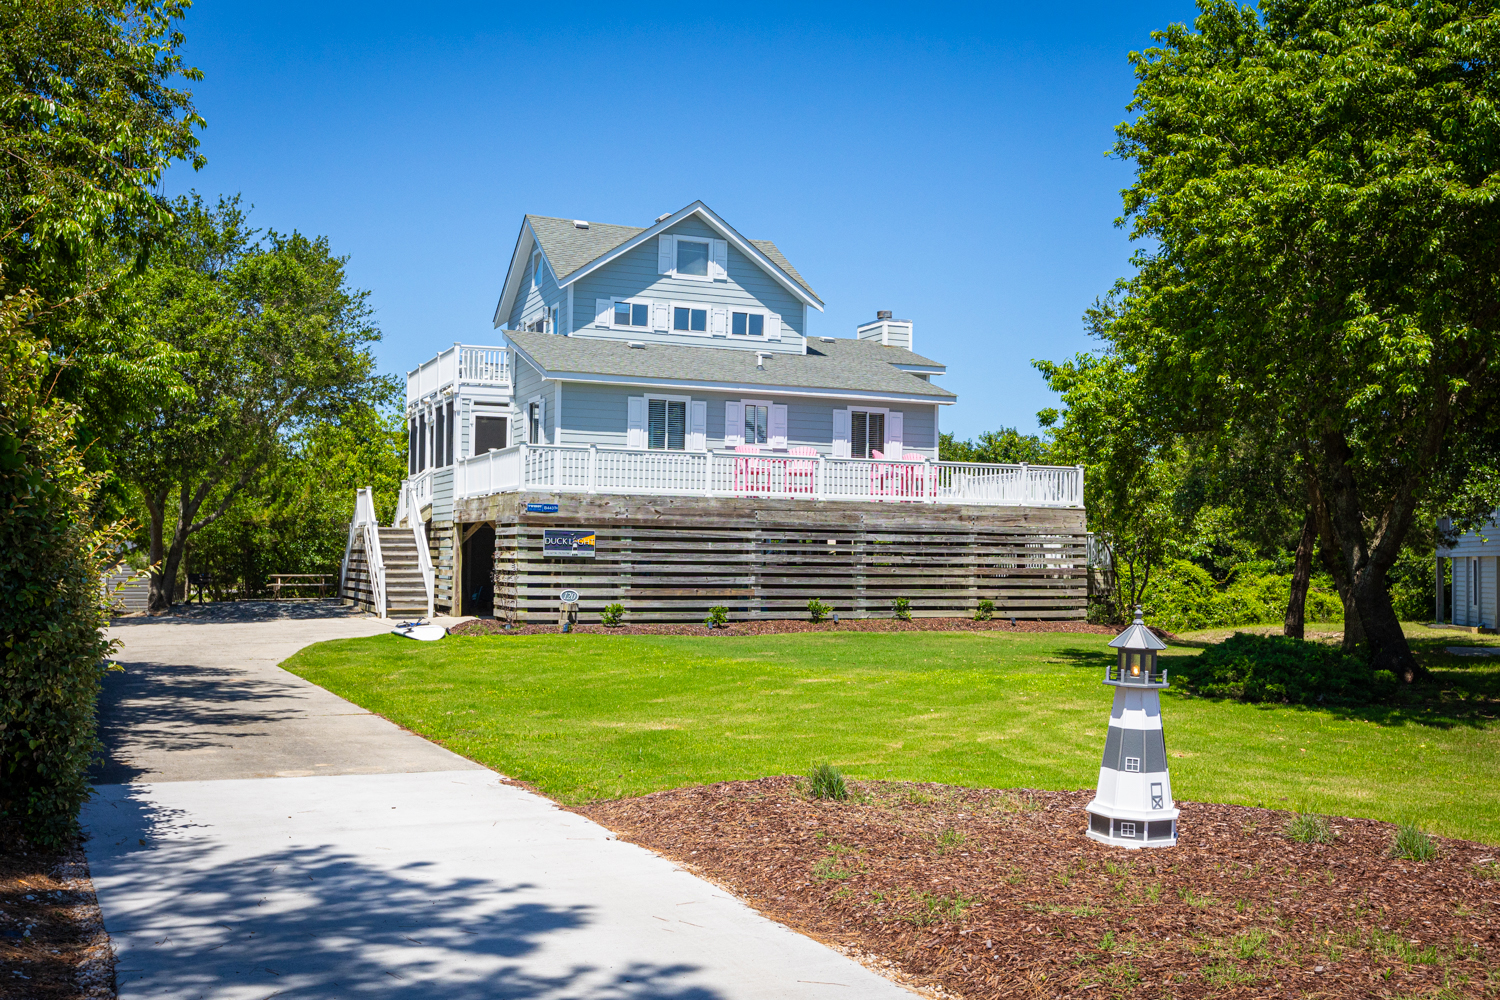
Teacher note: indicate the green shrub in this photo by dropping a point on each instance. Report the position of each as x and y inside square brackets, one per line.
[1184, 598]
[817, 610]
[984, 611]
[52, 609]
[901, 609]
[612, 614]
[1260, 668]
[1412, 844]
[826, 782]
[718, 617]
[1308, 828]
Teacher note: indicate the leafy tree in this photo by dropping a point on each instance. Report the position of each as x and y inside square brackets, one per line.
[293, 517]
[1007, 446]
[1316, 184]
[88, 121]
[268, 340]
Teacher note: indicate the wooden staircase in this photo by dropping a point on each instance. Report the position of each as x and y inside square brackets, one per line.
[405, 593]
[386, 570]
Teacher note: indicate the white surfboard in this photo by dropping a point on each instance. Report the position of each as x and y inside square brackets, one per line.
[417, 630]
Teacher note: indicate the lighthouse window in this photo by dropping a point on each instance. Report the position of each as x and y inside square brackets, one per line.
[1156, 795]
[1132, 763]
[1127, 829]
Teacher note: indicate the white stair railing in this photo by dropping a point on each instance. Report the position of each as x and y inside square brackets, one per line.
[424, 555]
[365, 523]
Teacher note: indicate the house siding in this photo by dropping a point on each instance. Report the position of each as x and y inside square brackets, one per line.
[528, 384]
[534, 297]
[593, 414]
[1476, 553]
[635, 274]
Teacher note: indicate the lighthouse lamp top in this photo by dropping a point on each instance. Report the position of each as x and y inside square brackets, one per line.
[1137, 636]
[1137, 665]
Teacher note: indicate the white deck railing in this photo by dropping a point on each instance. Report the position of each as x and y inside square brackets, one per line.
[592, 469]
[461, 363]
[367, 528]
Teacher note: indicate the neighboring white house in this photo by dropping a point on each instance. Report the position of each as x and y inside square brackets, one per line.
[1475, 558]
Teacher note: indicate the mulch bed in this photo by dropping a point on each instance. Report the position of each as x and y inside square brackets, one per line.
[491, 626]
[981, 893]
[52, 939]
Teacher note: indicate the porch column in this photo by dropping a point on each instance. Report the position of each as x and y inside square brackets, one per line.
[1437, 616]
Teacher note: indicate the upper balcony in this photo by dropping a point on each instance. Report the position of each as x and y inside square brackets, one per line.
[461, 364]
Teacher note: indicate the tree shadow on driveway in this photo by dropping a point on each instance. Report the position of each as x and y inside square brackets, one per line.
[190, 917]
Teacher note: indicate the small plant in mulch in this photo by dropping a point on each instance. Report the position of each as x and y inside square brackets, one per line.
[932, 908]
[949, 838]
[1489, 871]
[718, 617]
[612, 614]
[1309, 828]
[836, 866]
[1412, 844]
[985, 611]
[901, 609]
[825, 782]
[818, 611]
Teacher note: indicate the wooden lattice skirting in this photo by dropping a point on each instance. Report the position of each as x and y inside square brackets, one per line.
[673, 558]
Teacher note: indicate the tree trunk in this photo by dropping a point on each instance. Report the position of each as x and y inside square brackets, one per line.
[1296, 605]
[1364, 565]
[1330, 555]
[159, 597]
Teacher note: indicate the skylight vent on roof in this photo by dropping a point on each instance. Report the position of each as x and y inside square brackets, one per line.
[636, 345]
[664, 215]
[580, 224]
[826, 340]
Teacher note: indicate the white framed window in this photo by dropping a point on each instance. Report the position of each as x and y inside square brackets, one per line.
[536, 269]
[490, 432]
[1132, 763]
[747, 324]
[1127, 829]
[694, 258]
[630, 314]
[689, 319]
[536, 421]
[755, 421]
[667, 423]
[860, 431]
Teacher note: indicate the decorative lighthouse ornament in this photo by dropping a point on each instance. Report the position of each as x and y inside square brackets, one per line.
[1133, 806]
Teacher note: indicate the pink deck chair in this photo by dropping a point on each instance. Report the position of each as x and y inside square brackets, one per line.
[749, 474]
[801, 477]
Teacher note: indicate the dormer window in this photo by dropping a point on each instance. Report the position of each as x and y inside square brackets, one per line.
[689, 319]
[692, 258]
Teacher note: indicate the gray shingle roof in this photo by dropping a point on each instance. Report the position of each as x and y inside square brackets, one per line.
[568, 248]
[843, 365]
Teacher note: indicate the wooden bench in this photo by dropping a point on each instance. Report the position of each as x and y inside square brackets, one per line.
[295, 580]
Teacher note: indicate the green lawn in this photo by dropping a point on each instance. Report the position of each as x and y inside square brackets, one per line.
[588, 716]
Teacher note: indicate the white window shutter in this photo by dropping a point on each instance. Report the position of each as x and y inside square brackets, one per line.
[777, 431]
[718, 322]
[666, 252]
[603, 310]
[773, 326]
[635, 428]
[734, 423]
[661, 316]
[893, 436]
[721, 260]
[840, 433]
[697, 425]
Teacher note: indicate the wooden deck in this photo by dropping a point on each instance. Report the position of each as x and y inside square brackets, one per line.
[672, 558]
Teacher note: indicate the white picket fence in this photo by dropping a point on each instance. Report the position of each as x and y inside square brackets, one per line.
[592, 469]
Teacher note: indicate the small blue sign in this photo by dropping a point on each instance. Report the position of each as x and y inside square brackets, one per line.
[541, 508]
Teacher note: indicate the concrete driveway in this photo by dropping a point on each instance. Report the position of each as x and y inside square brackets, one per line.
[253, 835]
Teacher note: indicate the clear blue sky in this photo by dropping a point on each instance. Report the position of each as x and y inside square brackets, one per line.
[942, 162]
